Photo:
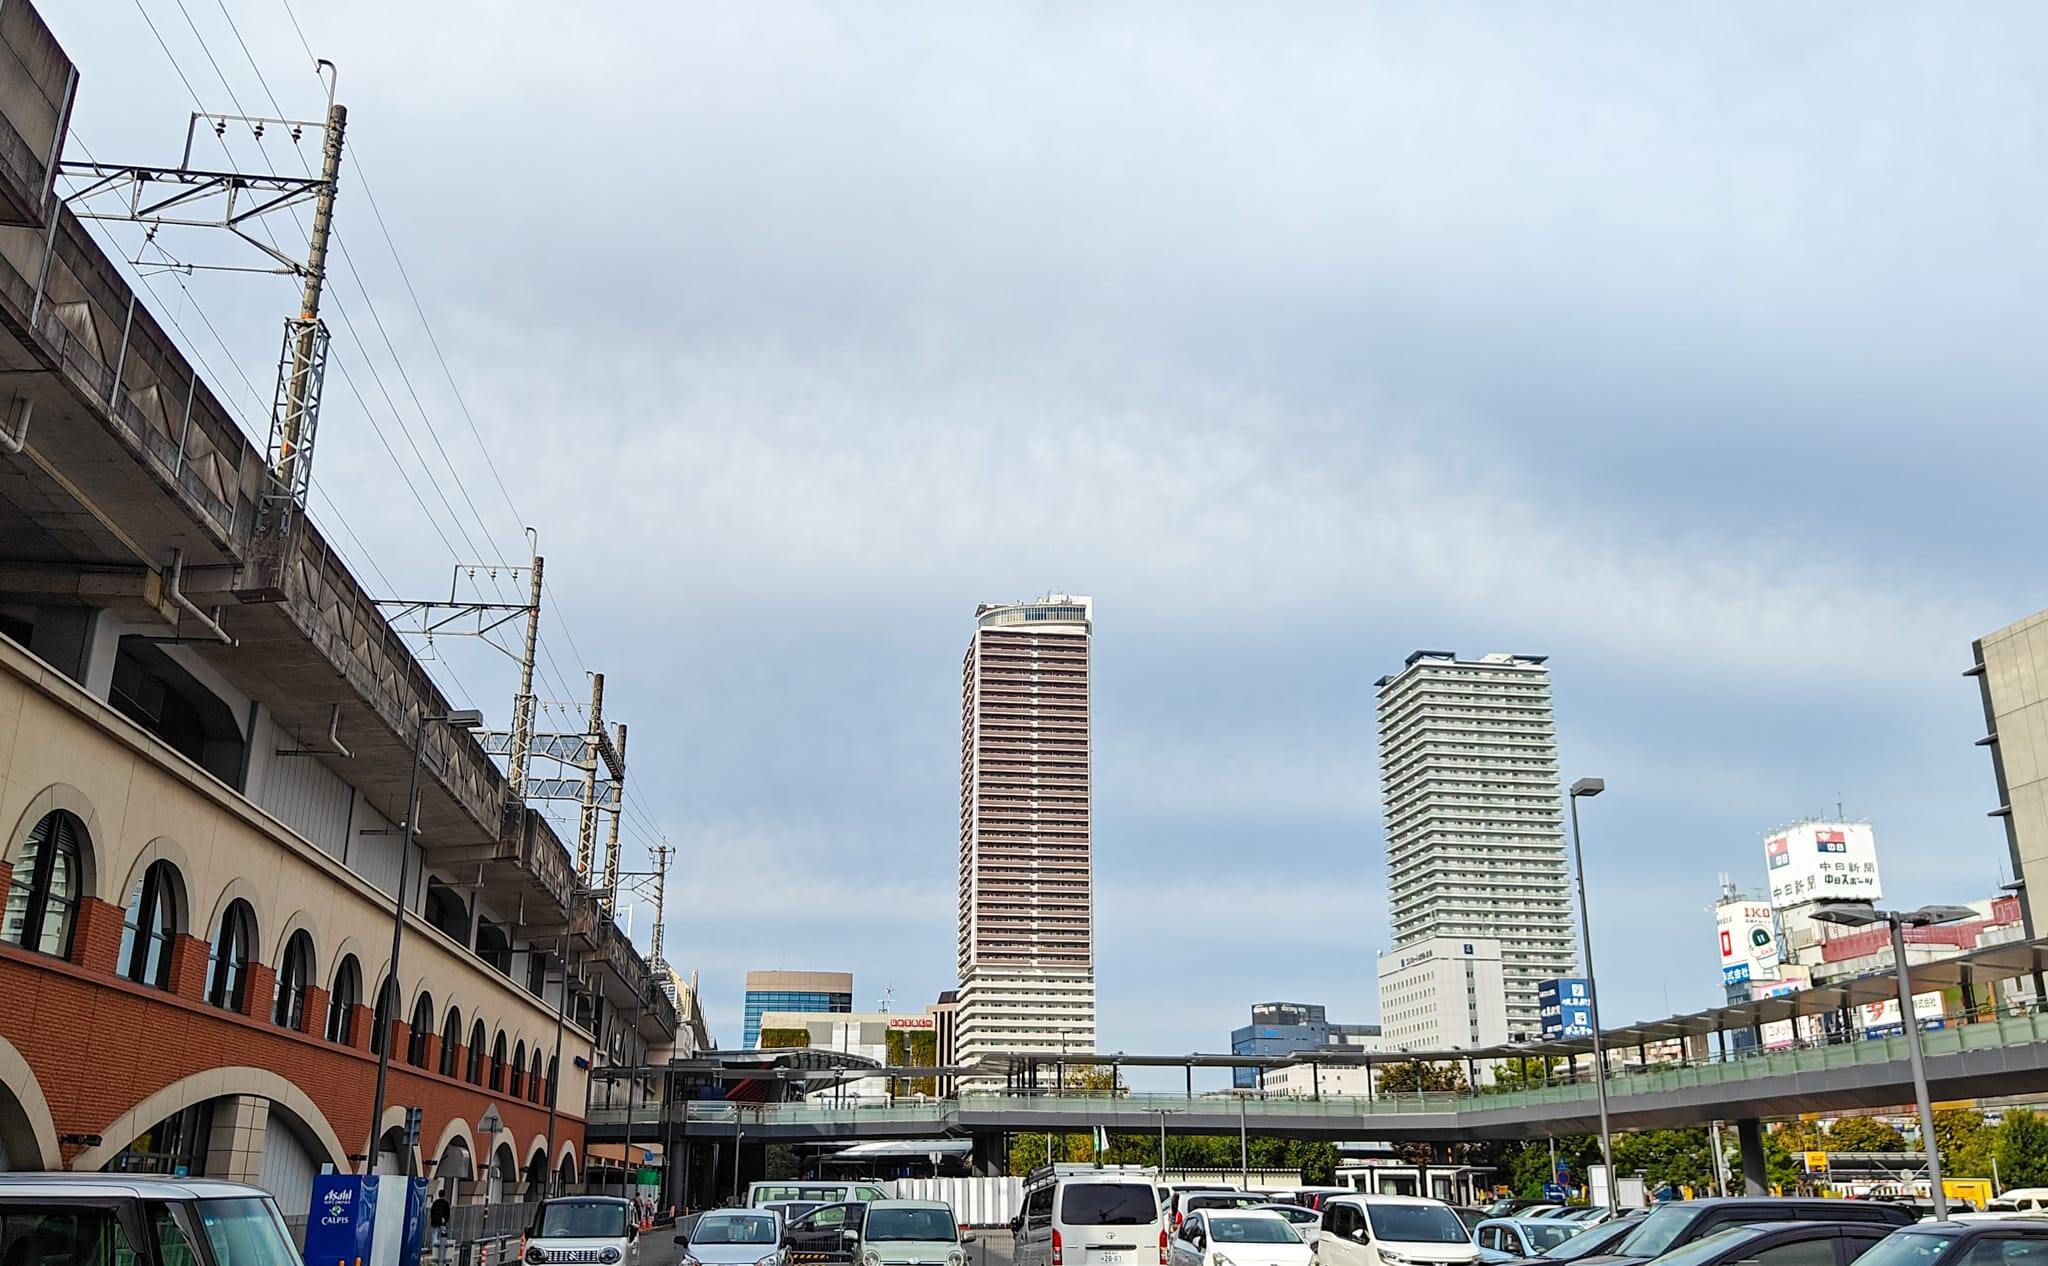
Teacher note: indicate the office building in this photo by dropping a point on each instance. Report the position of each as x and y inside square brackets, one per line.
[1444, 993]
[1026, 909]
[2011, 668]
[793, 991]
[1281, 1029]
[1475, 841]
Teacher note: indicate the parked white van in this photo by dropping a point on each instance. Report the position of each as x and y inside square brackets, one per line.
[1093, 1217]
[1392, 1231]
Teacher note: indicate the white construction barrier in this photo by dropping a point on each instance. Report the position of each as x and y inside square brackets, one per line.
[977, 1202]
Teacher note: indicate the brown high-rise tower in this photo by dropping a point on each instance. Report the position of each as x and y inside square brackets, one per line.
[1027, 943]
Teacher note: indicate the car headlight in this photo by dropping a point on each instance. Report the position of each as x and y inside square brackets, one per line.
[1219, 1258]
[1396, 1259]
[871, 1258]
[610, 1257]
[769, 1260]
[958, 1257]
[535, 1253]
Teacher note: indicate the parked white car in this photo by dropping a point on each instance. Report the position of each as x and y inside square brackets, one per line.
[1392, 1231]
[584, 1231]
[1306, 1222]
[1239, 1237]
[1090, 1218]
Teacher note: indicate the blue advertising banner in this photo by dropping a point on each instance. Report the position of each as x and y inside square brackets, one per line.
[415, 1223]
[1565, 1007]
[340, 1221]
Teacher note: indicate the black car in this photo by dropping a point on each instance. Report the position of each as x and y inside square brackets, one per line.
[1990, 1242]
[1680, 1222]
[822, 1235]
[1806, 1243]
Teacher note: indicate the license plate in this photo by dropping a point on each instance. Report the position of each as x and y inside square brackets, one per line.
[1107, 1259]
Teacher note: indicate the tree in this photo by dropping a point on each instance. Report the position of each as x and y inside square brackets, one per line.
[1675, 1158]
[1409, 1076]
[2022, 1149]
[1524, 1072]
[1863, 1134]
[1965, 1142]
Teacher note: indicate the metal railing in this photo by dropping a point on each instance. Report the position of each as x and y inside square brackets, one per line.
[1983, 1028]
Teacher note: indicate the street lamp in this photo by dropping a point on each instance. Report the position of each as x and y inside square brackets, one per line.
[1856, 916]
[1589, 787]
[460, 719]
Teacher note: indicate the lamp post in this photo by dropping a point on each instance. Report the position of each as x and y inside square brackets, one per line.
[1849, 915]
[461, 719]
[1588, 787]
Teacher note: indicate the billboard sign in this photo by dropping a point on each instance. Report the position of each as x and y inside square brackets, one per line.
[1565, 1007]
[1749, 941]
[1822, 861]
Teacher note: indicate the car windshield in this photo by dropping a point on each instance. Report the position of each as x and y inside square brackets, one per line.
[1707, 1247]
[1416, 1223]
[1108, 1204]
[1543, 1237]
[1597, 1240]
[1240, 1230]
[909, 1224]
[1908, 1248]
[581, 1220]
[734, 1228]
[1223, 1202]
[246, 1231]
[1659, 1231]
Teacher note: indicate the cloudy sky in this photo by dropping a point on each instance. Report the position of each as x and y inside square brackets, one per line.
[1693, 346]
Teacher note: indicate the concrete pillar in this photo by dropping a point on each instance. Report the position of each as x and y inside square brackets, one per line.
[988, 1160]
[234, 1150]
[1756, 1178]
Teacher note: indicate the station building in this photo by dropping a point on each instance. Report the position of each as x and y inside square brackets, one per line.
[206, 735]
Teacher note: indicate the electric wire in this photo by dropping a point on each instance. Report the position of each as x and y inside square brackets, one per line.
[633, 816]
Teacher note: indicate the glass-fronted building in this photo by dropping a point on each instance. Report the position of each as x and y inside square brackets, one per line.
[1280, 1029]
[793, 991]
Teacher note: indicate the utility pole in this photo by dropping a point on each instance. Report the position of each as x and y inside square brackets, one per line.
[662, 853]
[586, 824]
[611, 843]
[522, 703]
[308, 336]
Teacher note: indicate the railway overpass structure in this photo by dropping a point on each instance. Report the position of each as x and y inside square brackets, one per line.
[1978, 1051]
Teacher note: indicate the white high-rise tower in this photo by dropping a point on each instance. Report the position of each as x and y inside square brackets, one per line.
[1026, 930]
[1475, 845]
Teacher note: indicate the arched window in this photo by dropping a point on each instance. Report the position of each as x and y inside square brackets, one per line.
[554, 1070]
[518, 1086]
[343, 999]
[477, 1038]
[382, 1016]
[228, 984]
[451, 1039]
[533, 1086]
[294, 977]
[42, 898]
[498, 1061]
[422, 1025]
[153, 918]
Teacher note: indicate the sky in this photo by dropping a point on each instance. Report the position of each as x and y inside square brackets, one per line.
[1693, 346]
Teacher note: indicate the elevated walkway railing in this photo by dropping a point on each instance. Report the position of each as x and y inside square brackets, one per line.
[1980, 1030]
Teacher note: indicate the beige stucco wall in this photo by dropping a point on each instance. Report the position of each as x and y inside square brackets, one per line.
[59, 747]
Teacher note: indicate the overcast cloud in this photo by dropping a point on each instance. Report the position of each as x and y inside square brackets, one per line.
[1693, 346]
